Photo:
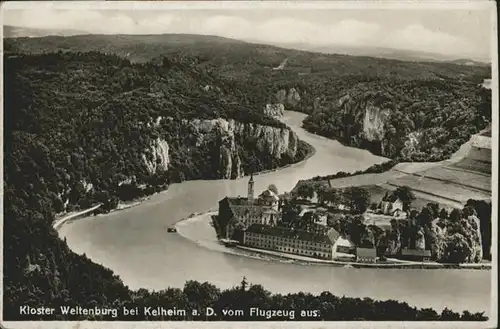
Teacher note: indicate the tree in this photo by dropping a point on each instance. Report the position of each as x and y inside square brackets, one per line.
[405, 194]
[244, 284]
[443, 214]
[305, 191]
[357, 198]
[455, 215]
[456, 249]
[331, 196]
[434, 208]
[449, 315]
[426, 216]
[273, 188]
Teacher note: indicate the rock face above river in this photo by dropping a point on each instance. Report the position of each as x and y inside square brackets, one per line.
[274, 110]
[410, 121]
[283, 99]
[228, 139]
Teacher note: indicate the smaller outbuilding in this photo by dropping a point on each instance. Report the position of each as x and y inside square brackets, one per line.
[366, 255]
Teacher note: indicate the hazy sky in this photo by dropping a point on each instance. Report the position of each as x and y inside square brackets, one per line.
[461, 32]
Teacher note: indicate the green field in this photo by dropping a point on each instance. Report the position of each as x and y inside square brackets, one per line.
[457, 176]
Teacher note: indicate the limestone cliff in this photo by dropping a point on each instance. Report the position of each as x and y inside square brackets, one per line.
[285, 98]
[157, 158]
[374, 122]
[274, 110]
[273, 141]
[227, 137]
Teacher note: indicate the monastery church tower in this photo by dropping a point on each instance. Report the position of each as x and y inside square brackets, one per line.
[250, 189]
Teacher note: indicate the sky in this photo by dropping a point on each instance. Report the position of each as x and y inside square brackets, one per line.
[458, 32]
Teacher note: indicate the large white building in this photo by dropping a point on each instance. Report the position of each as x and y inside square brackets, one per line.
[324, 246]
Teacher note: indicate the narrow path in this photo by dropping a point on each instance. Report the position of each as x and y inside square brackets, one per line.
[58, 223]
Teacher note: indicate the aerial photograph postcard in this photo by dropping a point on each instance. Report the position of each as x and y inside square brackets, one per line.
[223, 164]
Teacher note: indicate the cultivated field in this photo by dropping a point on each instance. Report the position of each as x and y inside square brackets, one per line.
[460, 177]
[447, 190]
[473, 165]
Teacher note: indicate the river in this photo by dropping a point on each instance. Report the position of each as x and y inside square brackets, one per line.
[134, 243]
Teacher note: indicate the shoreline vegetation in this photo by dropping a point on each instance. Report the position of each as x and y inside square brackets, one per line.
[303, 260]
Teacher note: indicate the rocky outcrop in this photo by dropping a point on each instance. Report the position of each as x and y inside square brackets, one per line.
[157, 157]
[226, 135]
[374, 122]
[274, 110]
[290, 97]
[271, 140]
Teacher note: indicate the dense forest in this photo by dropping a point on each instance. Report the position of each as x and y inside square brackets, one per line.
[106, 129]
[99, 122]
[413, 111]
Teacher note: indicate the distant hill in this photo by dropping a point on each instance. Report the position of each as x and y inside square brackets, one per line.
[379, 52]
[19, 32]
[387, 53]
[468, 62]
[242, 59]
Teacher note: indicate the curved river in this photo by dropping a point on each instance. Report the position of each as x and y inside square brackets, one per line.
[134, 243]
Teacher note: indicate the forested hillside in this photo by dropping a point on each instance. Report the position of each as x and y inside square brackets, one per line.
[109, 129]
[420, 120]
[412, 111]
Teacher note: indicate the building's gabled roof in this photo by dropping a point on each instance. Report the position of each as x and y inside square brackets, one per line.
[268, 194]
[366, 252]
[390, 198]
[247, 211]
[289, 233]
[333, 235]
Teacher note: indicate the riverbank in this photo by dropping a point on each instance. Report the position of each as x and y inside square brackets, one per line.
[58, 223]
[200, 219]
[73, 215]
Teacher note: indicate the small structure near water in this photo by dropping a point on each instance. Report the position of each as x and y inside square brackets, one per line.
[366, 255]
